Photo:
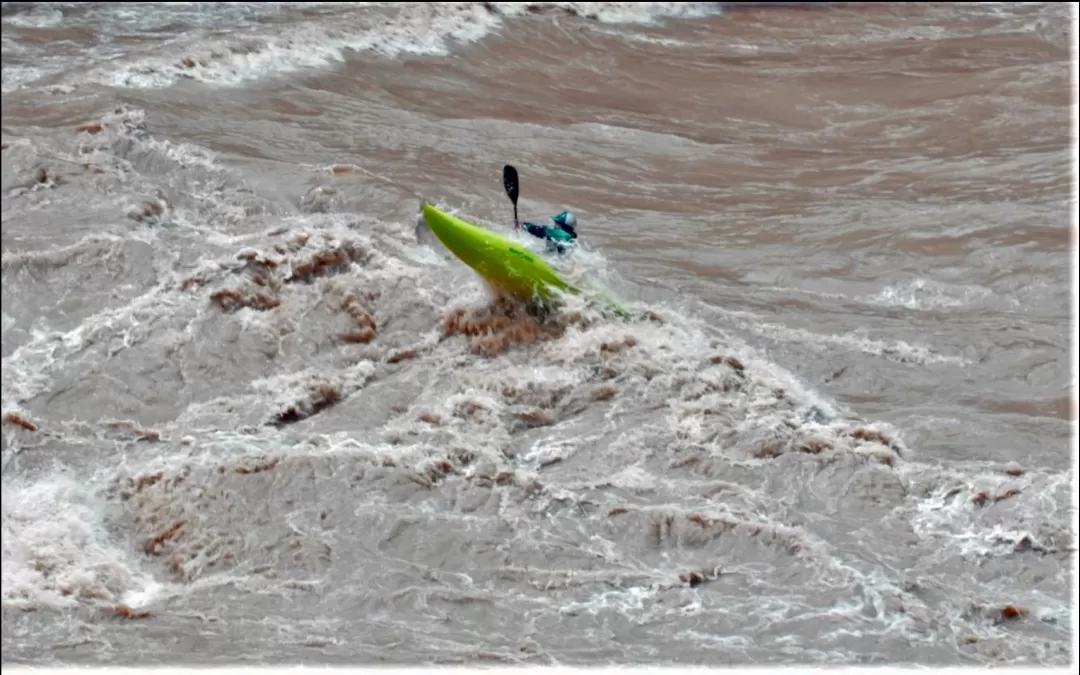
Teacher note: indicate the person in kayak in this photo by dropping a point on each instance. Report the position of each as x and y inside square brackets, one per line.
[560, 238]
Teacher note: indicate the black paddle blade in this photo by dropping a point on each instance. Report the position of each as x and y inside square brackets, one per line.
[510, 182]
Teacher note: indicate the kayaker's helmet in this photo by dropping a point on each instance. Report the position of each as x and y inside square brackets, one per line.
[567, 221]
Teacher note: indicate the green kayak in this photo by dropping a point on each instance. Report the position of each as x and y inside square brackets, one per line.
[498, 259]
[501, 261]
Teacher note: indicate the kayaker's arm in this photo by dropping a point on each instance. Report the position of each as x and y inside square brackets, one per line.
[535, 230]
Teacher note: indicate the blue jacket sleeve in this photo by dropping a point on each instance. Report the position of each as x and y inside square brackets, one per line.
[535, 230]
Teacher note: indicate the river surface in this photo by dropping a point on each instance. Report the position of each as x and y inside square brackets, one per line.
[252, 414]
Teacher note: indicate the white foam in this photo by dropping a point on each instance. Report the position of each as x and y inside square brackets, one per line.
[386, 29]
[417, 28]
[953, 513]
[13, 78]
[38, 17]
[923, 294]
[619, 12]
[894, 350]
[58, 553]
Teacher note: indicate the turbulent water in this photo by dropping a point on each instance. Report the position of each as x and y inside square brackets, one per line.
[250, 417]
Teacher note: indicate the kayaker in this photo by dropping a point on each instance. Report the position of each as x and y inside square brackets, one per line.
[560, 238]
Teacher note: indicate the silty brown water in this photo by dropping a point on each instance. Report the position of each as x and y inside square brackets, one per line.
[249, 417]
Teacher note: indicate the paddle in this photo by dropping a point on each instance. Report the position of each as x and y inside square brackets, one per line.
[510, 182]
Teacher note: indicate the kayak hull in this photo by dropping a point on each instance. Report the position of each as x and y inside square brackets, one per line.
[499, 260]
